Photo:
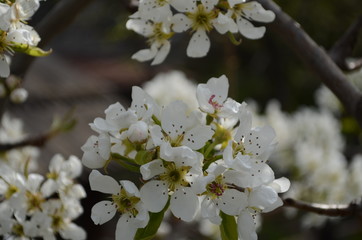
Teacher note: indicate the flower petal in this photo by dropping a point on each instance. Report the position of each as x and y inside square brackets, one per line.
[103, 212]
[126, 229]
[184, 204]
[232, 202]
[73, 231]
[248, 30]
[246, 226]
[151, 169]
[103, 183]
[199, 44]
[154, 195]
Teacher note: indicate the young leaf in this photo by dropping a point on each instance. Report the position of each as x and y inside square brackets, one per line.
[228, 227]
[30, 50]
[154, 223]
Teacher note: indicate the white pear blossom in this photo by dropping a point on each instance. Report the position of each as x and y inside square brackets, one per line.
[211, 159]
[199, 17]
[171, 175]
[171, 86]
[158, 33]
[245, 12]
[219, 194]
[125, 199]
[178, 128]
[212, 98]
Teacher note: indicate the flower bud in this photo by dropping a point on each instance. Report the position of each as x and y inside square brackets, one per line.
[138, 132]
[19, 95]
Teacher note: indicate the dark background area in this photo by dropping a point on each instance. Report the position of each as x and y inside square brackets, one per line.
[90, 68]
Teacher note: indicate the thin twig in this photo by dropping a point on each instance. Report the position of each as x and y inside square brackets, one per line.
[60, 17]
[334, 210]
[34, 141]
[343, 48]
[316, 59]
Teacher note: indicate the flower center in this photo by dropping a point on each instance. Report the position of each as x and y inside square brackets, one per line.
[57, 222]
[175, 176]
[159, 35]
[18, 230]
[215, 188]
[201, 18]
[214, 103]
[125, 203]
[12, 189]
[34, 200]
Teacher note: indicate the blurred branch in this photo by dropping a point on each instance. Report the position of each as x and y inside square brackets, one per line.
[35, 141]
[59, 125]
[342, 49]
[60, 17]
[325, 209]
[316, 59]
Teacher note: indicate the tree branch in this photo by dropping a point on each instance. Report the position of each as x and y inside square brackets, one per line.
[343, 48]
[60, 17]
[325, 209]
[316, 59]
[35, 141]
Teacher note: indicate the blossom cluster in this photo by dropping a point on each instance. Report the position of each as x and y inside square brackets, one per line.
[311, 148]
[159, 20]
[33, 205]
[210, 160]
[15, 34]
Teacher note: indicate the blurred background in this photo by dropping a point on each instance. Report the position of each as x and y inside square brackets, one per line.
[91, 68]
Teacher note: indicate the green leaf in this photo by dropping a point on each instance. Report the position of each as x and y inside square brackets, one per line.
[143, 157]
[233, 39]
[30, 50]
[149, 232]
[228, 227]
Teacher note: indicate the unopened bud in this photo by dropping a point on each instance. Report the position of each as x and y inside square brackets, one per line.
[138, 132]
[19, 95]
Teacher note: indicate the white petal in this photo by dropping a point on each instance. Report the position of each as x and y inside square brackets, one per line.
[49, 187]
[4, 66]
[73, 231]
[262, 197]
[199, 44]
[245, 119]
[246, 226]
[184, 204]
[140, 27]
[180, 23]
[254, 11]
[162, 53]
[232, 202]
[103, 183]
[209, 4]
[174, 119]
[73, 167]
[130, 188]
[126, 228]
[93, 160]
[259, 140]
[33, 182]
[151, 169]
[154, 195]
[156, 135]
[280, 185]
[210, 211]
[184, 5]
[181, 156]
[145, 54]
[248, 30]
[103, 212]
[197, 137]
